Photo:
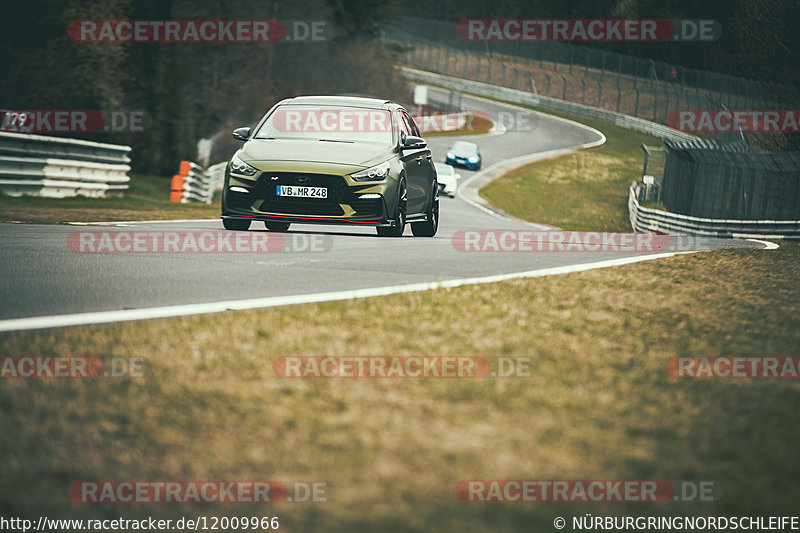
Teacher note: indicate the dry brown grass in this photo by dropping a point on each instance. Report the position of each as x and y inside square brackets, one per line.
[599, 404]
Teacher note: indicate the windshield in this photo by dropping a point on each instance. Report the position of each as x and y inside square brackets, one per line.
[335, 124]
[463, 146]
[444, 169]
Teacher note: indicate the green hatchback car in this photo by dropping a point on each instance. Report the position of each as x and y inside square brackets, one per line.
[333, 160]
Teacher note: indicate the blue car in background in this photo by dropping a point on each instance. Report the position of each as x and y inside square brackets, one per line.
[464, 154]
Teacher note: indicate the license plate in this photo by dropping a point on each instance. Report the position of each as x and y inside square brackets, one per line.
[297, 191]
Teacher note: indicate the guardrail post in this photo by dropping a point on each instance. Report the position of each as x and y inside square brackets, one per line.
[603, 71]
[532, 84]
[516, 78]
[503, 76]
[571, 57]
[586, 69]
[619, 96]
[547, 92]
[636, 105]
[583, 92]
[655, 105]
[564, 90]
[599, 94]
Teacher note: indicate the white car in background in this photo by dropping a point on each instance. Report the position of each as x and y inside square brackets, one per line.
[447, 178]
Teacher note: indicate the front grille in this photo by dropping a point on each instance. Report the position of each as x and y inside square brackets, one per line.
[338, 192]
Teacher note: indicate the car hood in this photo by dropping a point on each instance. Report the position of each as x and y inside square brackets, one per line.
[314, 151]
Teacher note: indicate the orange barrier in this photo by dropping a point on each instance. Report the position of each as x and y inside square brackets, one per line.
[176, 188]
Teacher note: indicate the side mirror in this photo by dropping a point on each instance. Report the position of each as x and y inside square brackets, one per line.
[414, 143]
[241, 133]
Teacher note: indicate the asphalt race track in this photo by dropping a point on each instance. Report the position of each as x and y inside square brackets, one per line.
[43, 277]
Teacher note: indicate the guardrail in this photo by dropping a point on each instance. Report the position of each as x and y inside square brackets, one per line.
[56, 167]
[555, 104]
[193, 183]
[646, 219]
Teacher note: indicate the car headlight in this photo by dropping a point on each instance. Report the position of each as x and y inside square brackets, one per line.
[376, 173]
[240, 167]
[450, 155]
[473, 159]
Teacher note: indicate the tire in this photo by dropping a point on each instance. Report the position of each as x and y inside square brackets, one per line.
[280, 227]
[399, 218]
[430, 226]
[240, 224]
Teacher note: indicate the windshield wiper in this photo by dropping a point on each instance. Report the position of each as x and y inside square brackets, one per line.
[336, 141]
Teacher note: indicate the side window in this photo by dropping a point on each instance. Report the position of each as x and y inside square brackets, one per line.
[412, 126]
[405, 130]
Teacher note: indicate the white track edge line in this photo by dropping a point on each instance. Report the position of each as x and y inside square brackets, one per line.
[123, 315]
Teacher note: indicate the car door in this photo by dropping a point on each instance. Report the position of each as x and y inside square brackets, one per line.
[419, 167]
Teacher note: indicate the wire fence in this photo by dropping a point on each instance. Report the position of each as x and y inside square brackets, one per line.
[714, 178]
[638, 87]
[597, 65]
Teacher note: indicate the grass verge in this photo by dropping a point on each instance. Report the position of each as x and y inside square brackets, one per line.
[147, 199]
[585, 190]
[598, 405]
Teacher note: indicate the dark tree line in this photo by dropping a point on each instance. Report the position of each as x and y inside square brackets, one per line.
[193, 91]
[189, 90]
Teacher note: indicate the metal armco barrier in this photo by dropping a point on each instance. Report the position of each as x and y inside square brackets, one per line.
[192, 183]
[708, 180]
[522, 97]
[39, 165]
[645, 219]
